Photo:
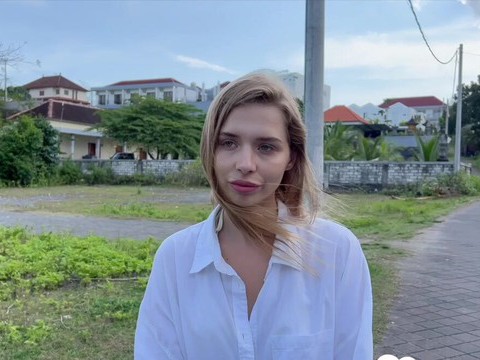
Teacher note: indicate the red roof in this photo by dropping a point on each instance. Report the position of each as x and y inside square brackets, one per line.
[63, 110]
[146, 81]
[413, 102]
[341, 113]
[53, 82]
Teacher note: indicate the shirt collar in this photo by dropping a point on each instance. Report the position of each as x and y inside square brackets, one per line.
[208, 250]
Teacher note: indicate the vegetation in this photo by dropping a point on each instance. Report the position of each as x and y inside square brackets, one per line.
[79, 298]
[29, 150]
[470, 115]
[159, 127]
[427, 150]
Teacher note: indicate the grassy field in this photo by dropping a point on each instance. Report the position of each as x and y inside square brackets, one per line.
[68, 298]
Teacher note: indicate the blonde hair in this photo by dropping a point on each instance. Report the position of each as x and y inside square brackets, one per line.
[297, 190]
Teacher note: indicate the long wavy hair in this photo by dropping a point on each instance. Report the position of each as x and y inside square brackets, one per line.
[298, 189]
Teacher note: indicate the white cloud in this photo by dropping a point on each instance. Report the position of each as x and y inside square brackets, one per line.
[474, 4]
[201, 64]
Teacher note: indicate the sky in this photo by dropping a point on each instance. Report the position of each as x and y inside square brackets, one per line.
[373, 48]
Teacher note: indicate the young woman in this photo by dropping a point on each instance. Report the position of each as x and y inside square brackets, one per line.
[262, 277]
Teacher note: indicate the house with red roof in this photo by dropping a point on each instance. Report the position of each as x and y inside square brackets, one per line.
[119, 94]
[431, 107]
[345, 115]
[74, 122]
[57, 87]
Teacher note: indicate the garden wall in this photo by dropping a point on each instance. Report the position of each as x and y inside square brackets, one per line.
[384, 174]
[337, 173]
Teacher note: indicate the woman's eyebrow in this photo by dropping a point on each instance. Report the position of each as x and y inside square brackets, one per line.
[227, 134]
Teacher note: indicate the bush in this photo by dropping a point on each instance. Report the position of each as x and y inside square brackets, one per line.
[189, 175]
[69, 173]
[456, 184]
[99, 176]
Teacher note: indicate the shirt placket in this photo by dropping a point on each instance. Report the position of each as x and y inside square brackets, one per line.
[240, 312]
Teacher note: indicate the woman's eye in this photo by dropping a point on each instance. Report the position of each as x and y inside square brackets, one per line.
[266, 148]
[228, 144]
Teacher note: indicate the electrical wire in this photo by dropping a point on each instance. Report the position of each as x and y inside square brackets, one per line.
[425, 39]
[469, 53]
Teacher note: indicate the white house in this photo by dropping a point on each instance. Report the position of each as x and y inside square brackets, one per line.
[370, 112]
[120, 94]
[399, 113]
[430, 106]
[57, 87]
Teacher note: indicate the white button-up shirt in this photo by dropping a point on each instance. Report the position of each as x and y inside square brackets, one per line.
[195, 304]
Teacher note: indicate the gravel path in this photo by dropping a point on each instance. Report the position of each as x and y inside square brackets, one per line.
[80, 225]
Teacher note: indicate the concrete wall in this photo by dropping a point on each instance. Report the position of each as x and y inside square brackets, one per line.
[384, 174]
[337, 173]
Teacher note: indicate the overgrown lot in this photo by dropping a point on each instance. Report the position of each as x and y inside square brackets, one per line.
[63, 297]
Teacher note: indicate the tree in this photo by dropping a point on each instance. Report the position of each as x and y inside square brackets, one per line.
[339, 142]
[470, 114]
[29, 150]
[158, 126]
[369, 149]
[427, 150]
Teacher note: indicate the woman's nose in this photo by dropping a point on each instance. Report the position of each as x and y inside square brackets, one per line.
[246, 161]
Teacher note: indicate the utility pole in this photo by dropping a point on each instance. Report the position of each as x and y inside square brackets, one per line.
[314, 67]
[5, 80]
[458, 125]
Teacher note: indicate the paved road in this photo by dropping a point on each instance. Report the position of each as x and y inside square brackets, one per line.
[84, 225]
[437, 314]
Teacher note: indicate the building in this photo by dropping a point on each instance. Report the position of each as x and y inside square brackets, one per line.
[121, 93]
[370, 112]
[74, 123]
[431, 107]
[345, 115]
[57, 87]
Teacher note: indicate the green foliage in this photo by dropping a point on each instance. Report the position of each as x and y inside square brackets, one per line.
[190, 175]
[427, 150]
[16, 93]
[99, 175]
[184, 212]
[25, 335]
[29, 151]
[160, 127]
[375, 149]
[456, 184]
[339, 142]
[69, 173]
[470, 113]
[35, 262]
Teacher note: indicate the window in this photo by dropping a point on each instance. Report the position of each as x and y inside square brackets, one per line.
[57, 91]
[42, 92]
[168, 95]
[101, 99]
[150, 94]
[65, 92]
[117, 99]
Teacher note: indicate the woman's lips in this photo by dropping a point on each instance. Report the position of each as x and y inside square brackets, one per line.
[244, 187]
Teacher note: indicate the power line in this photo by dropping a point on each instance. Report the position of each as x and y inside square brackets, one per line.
[425, 39]
[469, 53]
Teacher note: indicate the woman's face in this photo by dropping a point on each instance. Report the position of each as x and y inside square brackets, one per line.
[252, 153]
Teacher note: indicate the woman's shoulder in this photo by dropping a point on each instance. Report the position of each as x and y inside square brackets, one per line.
[330, 239]
[182, 240]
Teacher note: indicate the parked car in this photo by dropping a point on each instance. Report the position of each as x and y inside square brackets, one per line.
[123, 156]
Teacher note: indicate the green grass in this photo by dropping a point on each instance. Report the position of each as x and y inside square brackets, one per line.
[76, 298]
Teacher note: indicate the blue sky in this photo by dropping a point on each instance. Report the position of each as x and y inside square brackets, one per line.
[373, 48]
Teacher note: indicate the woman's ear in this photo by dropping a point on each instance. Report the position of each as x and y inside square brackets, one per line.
[291, 163]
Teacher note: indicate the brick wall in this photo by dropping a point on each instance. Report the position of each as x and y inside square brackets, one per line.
[337, 173]
[384, 174]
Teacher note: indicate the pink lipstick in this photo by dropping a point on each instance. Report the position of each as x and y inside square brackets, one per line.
[244, 187]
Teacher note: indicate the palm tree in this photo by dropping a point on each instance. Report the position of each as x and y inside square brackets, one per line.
[339, 142]
[427, 150]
